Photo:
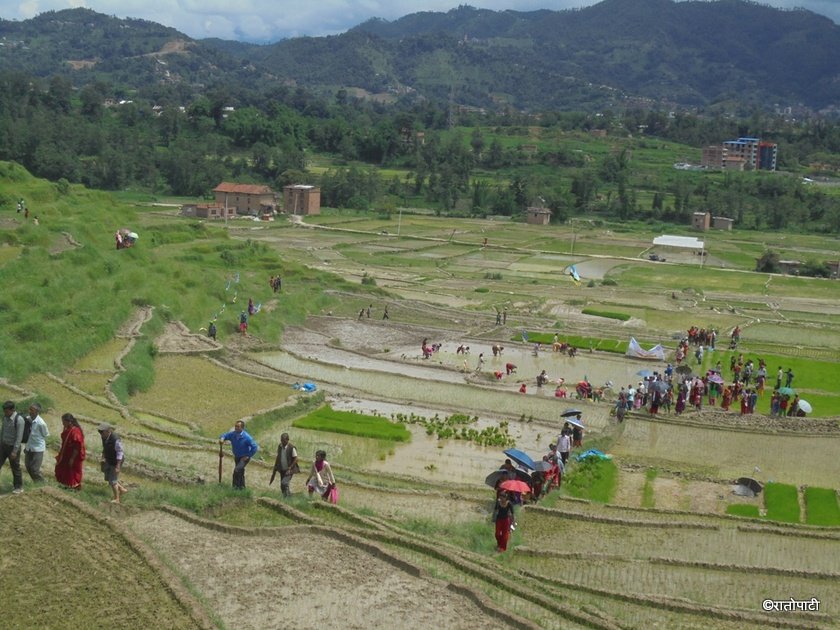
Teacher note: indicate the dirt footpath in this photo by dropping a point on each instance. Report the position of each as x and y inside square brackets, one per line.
[301, 578]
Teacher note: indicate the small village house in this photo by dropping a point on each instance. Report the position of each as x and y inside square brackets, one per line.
[538, 215]
[246, 199]
[301, 199]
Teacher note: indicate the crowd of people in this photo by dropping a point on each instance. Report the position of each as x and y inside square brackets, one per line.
[749, 381]
[29, 433]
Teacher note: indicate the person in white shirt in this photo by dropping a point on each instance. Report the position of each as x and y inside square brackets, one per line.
[564, 444]
[36, 445]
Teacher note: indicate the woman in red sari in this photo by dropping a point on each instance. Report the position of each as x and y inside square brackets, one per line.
[71, 456]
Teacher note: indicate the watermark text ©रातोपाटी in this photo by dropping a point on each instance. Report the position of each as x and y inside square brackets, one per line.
[789, 605]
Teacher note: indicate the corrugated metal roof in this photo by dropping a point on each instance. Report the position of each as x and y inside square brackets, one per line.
[243, 189]
[679, 241]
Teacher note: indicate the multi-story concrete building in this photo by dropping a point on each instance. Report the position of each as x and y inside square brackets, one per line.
[757, 155]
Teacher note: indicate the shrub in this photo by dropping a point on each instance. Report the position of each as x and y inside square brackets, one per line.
[492, 275]
[481, 290]
[368, 280]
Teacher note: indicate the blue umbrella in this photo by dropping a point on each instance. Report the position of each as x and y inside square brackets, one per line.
[644, 373]
[521, 458]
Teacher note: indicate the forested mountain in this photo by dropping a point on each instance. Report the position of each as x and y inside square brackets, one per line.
[610, 55]
[128, 104]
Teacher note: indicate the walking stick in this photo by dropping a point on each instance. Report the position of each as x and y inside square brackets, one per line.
[221, 457]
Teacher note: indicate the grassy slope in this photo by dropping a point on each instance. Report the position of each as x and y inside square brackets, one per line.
[61, 301]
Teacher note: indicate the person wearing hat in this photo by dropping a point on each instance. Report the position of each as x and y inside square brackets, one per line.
[11, 436]
[112, 459]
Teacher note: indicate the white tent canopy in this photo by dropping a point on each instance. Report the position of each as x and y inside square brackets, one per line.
[637, 352]
[667, 240]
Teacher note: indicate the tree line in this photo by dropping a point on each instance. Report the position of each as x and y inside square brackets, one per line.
[466, 163]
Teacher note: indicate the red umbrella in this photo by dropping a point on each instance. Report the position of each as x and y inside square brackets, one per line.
[514, 485]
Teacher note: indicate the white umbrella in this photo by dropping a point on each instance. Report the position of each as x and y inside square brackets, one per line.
[133, 235]
[805, 406]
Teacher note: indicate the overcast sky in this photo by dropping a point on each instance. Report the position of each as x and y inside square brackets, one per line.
[271, 20]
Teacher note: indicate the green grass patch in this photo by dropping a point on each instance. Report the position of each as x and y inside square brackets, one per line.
[648, 499]
[350, 423]
[742, 509]
[608, 314]
[782, 502]
[578, 341]
[821, 507]
[593, 479]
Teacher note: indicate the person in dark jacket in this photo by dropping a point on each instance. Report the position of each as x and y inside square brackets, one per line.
[112, 460]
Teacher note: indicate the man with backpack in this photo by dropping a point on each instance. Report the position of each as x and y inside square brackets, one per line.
[35, 434]
[11, 438]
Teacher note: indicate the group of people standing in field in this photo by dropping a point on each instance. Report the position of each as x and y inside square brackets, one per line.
[749, 380]
[321, 480]
[28, 434]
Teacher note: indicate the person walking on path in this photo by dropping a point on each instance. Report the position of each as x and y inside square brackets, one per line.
[564, 443]
[321, 478]
[11, 437]
[69, 463]
[385, 313]
[286, 464]
[36, 443]
[505, 519]
[243, 447]
[577, 433]
[112, 459]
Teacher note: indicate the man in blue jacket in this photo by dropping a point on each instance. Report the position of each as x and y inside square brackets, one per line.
[243, 447]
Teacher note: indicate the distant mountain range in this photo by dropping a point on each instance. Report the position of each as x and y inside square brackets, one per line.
[725, 53]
